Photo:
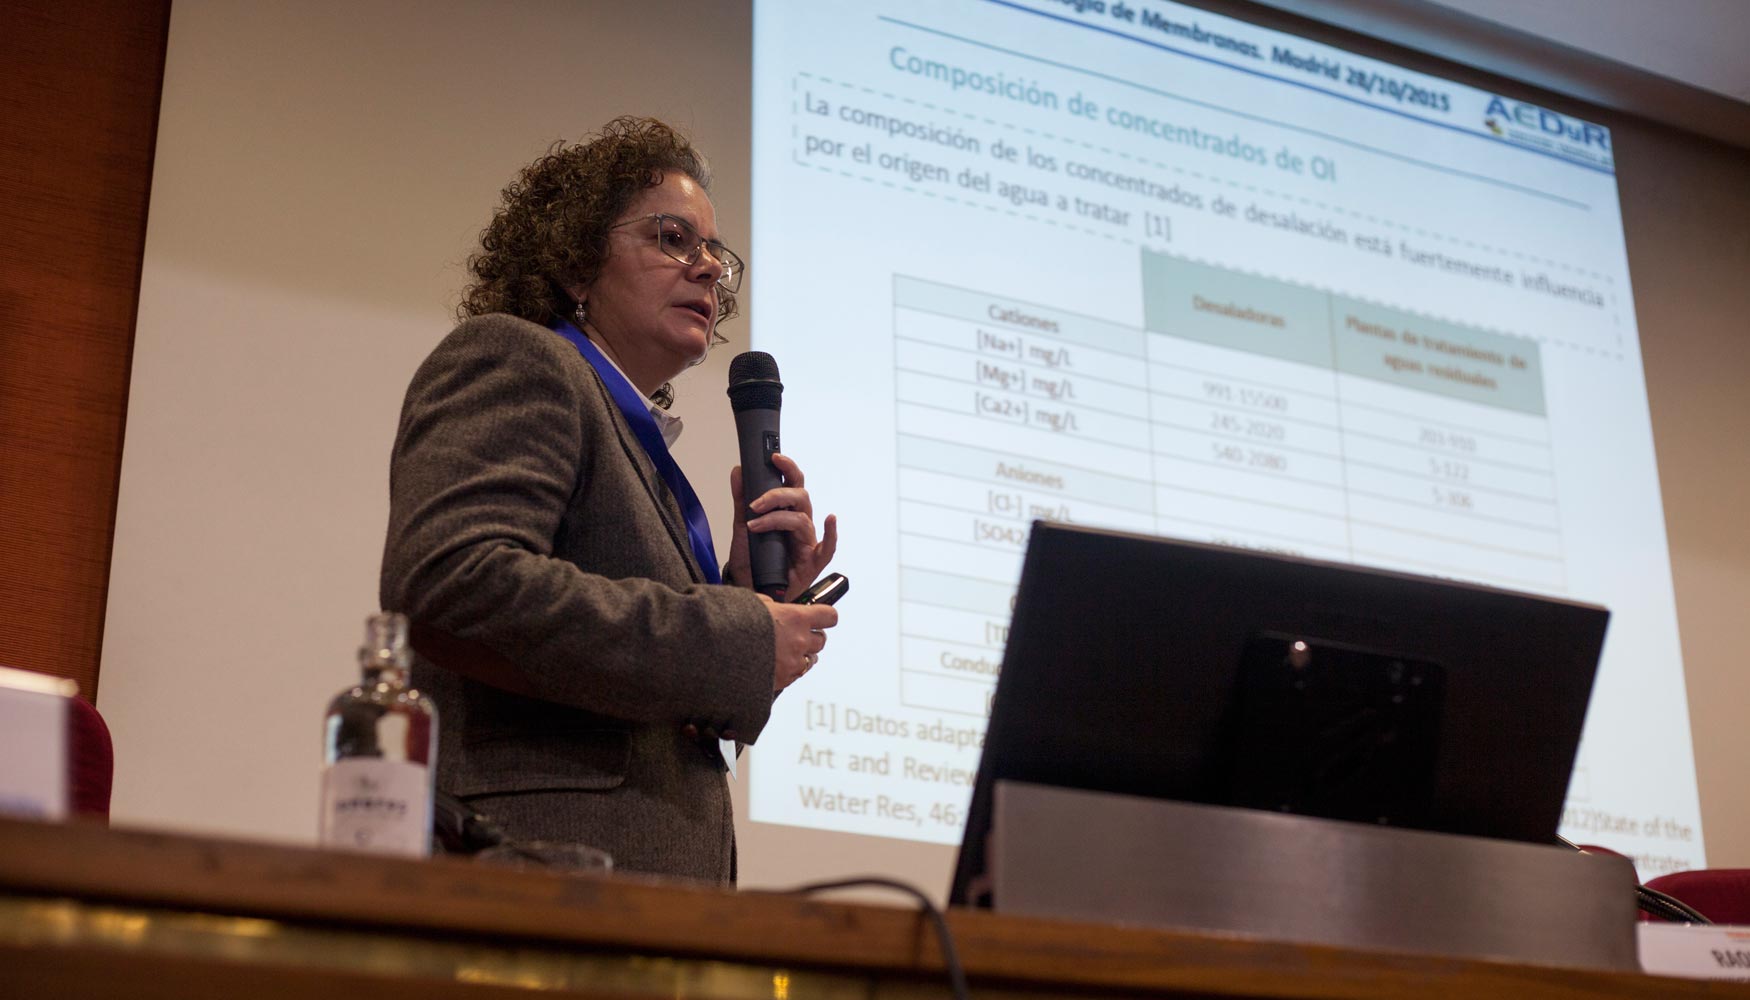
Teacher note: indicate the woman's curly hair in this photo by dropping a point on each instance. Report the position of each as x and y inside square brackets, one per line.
[552, 229]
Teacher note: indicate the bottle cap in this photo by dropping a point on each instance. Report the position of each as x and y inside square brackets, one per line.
[385, 642]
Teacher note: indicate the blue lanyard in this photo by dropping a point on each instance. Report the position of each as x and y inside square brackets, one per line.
[636, 410]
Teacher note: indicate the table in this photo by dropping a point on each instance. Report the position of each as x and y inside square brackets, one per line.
[1245, 411]
[91, 912]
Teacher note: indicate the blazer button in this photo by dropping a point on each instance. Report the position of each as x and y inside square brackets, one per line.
[729, 734]
[690, 731]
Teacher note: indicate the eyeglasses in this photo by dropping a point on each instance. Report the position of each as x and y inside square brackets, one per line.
[679, 240]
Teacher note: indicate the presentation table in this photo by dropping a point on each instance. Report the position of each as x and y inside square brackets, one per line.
[91, 912]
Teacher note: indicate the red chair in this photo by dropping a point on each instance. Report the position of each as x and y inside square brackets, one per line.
[1720, 894]
[90, 761]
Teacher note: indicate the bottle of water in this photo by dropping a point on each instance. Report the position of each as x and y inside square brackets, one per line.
[379, 752]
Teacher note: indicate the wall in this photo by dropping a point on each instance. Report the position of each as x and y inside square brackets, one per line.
[323, 170]
[1686, 205]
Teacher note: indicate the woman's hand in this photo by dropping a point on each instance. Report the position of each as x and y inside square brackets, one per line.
[787, 509]
[798, 635]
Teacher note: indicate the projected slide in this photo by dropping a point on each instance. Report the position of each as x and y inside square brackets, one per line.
[1143, 267]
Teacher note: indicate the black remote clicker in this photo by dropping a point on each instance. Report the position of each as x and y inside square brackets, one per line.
[826, 590]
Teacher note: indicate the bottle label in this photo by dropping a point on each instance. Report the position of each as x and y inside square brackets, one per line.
[382, 806]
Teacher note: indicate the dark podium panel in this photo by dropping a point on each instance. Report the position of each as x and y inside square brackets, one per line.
[1201, 674]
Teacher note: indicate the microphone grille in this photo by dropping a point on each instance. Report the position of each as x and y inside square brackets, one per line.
[753, 365]
[753, 382]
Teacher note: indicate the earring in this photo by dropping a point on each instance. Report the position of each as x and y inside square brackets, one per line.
[663, 397]
[580, 316]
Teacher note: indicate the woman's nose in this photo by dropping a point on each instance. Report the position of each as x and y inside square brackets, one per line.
[708, 267]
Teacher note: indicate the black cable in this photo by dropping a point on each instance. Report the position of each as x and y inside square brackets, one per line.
[1661, 904]
[944, 940]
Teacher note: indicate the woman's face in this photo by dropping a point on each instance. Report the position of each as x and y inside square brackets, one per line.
[654, 313]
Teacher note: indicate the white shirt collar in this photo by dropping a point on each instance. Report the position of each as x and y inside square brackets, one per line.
[669, 425]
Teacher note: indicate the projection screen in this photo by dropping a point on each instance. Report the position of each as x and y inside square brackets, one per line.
[1137, 265]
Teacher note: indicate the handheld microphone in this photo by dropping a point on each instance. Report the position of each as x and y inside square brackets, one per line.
[756, 394]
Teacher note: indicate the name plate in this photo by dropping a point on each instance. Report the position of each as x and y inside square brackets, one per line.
[1696, 952]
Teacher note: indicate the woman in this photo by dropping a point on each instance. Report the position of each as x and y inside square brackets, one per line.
[555, 564]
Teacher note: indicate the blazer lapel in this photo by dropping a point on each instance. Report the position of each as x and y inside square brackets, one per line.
[659, 493]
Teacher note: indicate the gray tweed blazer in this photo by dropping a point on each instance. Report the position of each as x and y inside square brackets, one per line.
[562, 624]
